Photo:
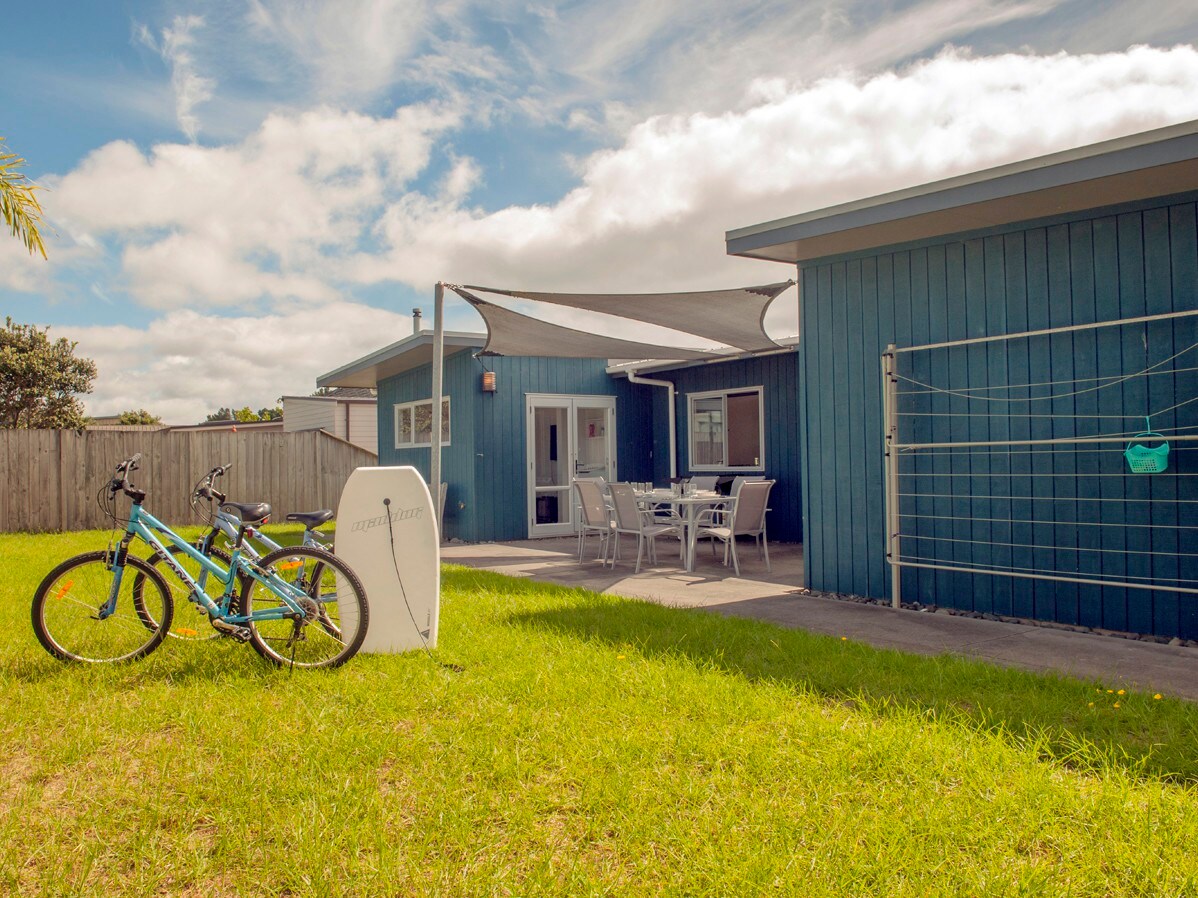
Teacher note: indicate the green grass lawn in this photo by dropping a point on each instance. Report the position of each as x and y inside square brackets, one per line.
[567, 743]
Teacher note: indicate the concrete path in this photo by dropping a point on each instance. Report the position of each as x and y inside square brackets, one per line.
[777, 597]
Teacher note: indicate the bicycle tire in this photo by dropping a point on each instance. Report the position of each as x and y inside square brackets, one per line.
[340, 611]
[128, 637]
[181, 593]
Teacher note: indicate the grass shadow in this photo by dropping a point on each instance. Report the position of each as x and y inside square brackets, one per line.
[1083, 724]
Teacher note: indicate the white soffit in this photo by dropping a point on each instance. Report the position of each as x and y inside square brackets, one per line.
[732, 317]
[514, 334]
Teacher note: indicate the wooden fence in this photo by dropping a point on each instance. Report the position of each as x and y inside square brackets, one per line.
[49, 478]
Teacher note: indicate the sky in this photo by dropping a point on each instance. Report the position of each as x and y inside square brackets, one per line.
[241, 195]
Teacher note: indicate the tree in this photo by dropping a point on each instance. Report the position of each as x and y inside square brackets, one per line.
[140, 416]
[19, 208]
[221, 414]
[40, 380]
[270, 414]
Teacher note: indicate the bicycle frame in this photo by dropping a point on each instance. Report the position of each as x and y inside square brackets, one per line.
[144, 525]
[227, 524]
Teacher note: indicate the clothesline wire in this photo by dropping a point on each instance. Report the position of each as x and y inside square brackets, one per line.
[988, 568]
[1043, 383]
[973, 496]
[1026, 521]
[988, 542]
[1121, 379]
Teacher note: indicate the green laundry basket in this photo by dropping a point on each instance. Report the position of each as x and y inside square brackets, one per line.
[1147, 459]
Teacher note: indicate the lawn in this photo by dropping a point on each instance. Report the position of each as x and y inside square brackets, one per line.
[562, 742]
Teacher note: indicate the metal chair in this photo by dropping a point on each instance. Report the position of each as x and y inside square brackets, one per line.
[704, 481]
[630, 518]
[595, 517]
[747, 519]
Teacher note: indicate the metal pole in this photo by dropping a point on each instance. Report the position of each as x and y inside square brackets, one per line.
[889, 439]
[1142, 319]
[438, 375]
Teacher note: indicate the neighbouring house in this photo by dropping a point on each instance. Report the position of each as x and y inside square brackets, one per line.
[979, 357]
[519, 430]
[349, 413]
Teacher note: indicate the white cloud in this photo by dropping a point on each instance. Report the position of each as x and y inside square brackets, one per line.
[197, 363]
[265, 217]
[18, 269]
[652, 213]
[351, 48]
[189, 86]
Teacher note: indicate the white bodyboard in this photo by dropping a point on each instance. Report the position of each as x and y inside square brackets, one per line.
[387, 532]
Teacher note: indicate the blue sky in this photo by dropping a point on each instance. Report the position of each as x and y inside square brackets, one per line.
[246, 193]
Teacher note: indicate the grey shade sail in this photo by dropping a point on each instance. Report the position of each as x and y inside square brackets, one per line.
[511, 333]
[732, 317]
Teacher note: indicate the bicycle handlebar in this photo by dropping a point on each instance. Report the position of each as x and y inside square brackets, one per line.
[205, 489]
[120, 478]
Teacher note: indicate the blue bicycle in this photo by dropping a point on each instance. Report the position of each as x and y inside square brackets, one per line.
[206, 503]
[301, 605]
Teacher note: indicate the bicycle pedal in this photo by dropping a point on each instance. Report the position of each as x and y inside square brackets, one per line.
[241, 634]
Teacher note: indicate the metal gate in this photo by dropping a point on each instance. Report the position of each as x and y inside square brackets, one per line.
[1011, 457]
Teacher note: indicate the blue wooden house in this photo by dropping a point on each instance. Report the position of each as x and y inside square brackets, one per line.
[519, 430]
[978, 360]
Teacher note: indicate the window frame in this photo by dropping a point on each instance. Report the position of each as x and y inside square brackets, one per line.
[411, 406]
[723, 396]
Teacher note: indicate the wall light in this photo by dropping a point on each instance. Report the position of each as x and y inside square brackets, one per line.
[488, 381]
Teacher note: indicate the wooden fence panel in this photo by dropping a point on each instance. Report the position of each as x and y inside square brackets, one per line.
[51, 477]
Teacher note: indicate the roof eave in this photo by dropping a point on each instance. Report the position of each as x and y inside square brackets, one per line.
[395, 359]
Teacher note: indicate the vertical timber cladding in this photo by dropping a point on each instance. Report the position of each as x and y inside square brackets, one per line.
[777, 375]
[485, 463]
[1090, 269]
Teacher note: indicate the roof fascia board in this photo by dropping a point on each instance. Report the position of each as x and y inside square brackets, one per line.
[362, 368]
[1156, 202]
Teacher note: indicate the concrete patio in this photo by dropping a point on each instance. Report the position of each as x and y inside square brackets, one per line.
[776, 597]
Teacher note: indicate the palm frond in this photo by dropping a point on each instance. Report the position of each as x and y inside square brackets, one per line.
[19, 206]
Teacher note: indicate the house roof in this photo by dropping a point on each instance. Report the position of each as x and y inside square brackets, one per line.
[404, 355]
[1141, 166]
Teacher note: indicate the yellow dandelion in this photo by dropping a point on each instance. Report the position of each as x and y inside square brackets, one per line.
[1116, 705]
[1157, 696]
[619, 657]
[1091, 704]
[1122, 692]
[844, 639]
[1110, 692]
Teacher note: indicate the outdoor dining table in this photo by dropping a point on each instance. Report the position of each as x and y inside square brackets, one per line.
[688, 508]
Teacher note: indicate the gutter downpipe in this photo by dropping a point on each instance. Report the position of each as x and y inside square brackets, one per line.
[634, 378]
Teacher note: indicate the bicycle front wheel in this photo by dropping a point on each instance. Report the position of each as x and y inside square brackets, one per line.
[67, 605]
[334, 615]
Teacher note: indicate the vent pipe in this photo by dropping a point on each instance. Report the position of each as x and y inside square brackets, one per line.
[417, 321]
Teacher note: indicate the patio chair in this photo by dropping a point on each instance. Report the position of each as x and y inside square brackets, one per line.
[704, 482]
[747, 519]
[595, 517]
[630, 518]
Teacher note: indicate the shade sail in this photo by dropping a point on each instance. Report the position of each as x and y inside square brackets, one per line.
[731, 317]
[514, 334]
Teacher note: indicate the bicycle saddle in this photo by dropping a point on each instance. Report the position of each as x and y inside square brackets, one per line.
[311, 519]
[249, 512]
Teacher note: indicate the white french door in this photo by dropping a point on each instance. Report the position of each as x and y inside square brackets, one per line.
[567, 437]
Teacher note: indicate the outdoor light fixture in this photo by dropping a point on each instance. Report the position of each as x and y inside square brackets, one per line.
[488, 381]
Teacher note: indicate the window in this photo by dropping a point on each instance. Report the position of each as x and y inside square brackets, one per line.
[414, 423]
[726, 431]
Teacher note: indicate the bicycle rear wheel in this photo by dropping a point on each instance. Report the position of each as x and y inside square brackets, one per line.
[198, 627]
[335, 611]
[66, 608]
